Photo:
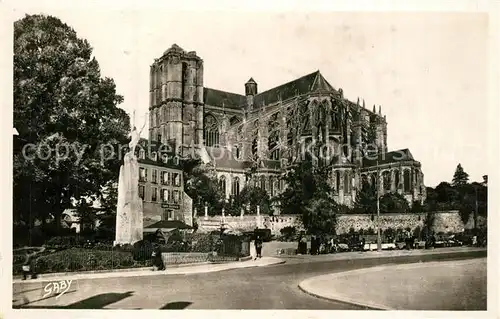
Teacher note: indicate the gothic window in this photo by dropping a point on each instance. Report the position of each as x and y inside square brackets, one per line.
[222, 184]
[158, 119]
[142, 154]
[386, 177]
[254, 147]
[211, 131]
[406, 180]
[236, 186]
[272, 145]
[396, 178]
[154, 156]
[305, 118]
[373, 181]
[263, 182]
[271, 186]
[164, 195]
[337, 181]
[347, 180]
[236, 151]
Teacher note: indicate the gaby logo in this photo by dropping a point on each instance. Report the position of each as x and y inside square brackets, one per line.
[58, 288]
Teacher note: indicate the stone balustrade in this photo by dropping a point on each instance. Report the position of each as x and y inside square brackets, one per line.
[448, 221]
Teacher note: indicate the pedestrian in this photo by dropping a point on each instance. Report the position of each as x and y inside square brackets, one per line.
[258, 247]
[474, 240]
[157, 260]
[27, 265]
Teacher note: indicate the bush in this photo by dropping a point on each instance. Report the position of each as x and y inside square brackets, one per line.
[142, 250]
[80, 259]
[202, 243]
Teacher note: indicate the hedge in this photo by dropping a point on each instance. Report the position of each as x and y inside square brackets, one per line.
[80, 259]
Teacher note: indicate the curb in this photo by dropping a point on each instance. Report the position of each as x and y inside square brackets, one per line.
[303, 285]
[344, 300]
[147, 271]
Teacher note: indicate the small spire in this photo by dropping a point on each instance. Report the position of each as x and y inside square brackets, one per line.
[380, 110]
[364, 106]
[374, 110]
[357, 102]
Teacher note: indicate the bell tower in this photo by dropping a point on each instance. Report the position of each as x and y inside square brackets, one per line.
[176, 99]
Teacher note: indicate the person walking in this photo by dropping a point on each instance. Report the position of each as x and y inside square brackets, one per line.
[157, 261]
[258, 247]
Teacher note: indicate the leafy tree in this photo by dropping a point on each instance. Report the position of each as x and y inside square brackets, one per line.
[447, 193]
[320, 217]
[309, 194]
[304, 182]
[60, 100]
[251, 197]
[460, 177]
[394, 203]
[202, 186]
[366, 199]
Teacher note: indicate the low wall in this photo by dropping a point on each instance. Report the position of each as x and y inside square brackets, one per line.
[184, 258]
[447, 221]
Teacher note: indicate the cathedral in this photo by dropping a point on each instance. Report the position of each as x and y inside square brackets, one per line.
[265, 132]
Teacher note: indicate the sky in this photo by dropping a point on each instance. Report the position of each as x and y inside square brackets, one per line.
[428, 71]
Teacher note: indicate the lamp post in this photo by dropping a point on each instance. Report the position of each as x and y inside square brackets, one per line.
[379, 240]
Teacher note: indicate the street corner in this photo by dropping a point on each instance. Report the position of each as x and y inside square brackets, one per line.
[320, 287]
[427, 286]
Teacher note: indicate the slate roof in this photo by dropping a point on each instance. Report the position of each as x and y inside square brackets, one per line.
[388, 158]
[221, 98]
[314, 82]
[306, 84]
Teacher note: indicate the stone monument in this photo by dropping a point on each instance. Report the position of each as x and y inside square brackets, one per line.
[129, 214]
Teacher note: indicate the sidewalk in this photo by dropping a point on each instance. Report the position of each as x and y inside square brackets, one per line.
[384, 253]
[140, 272]
[417, 286]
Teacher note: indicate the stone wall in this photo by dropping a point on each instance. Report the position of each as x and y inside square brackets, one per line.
[444, 222]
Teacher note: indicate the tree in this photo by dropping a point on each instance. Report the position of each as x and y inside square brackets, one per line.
[460, 177]
[394, 203]
[309, 194]
[366, 199]
[61, 102]
[320, 216]
[202, 186]
[251, 197]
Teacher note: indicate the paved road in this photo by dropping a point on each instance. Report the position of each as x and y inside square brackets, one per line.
[273, 287]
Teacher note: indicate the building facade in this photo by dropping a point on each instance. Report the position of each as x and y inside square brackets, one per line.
[265, 132]
[161, 184]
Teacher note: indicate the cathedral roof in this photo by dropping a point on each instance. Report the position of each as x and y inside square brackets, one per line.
[389, 157]
[223, 99]
[314, 82]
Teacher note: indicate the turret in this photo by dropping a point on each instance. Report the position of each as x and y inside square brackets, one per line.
[250, 92]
